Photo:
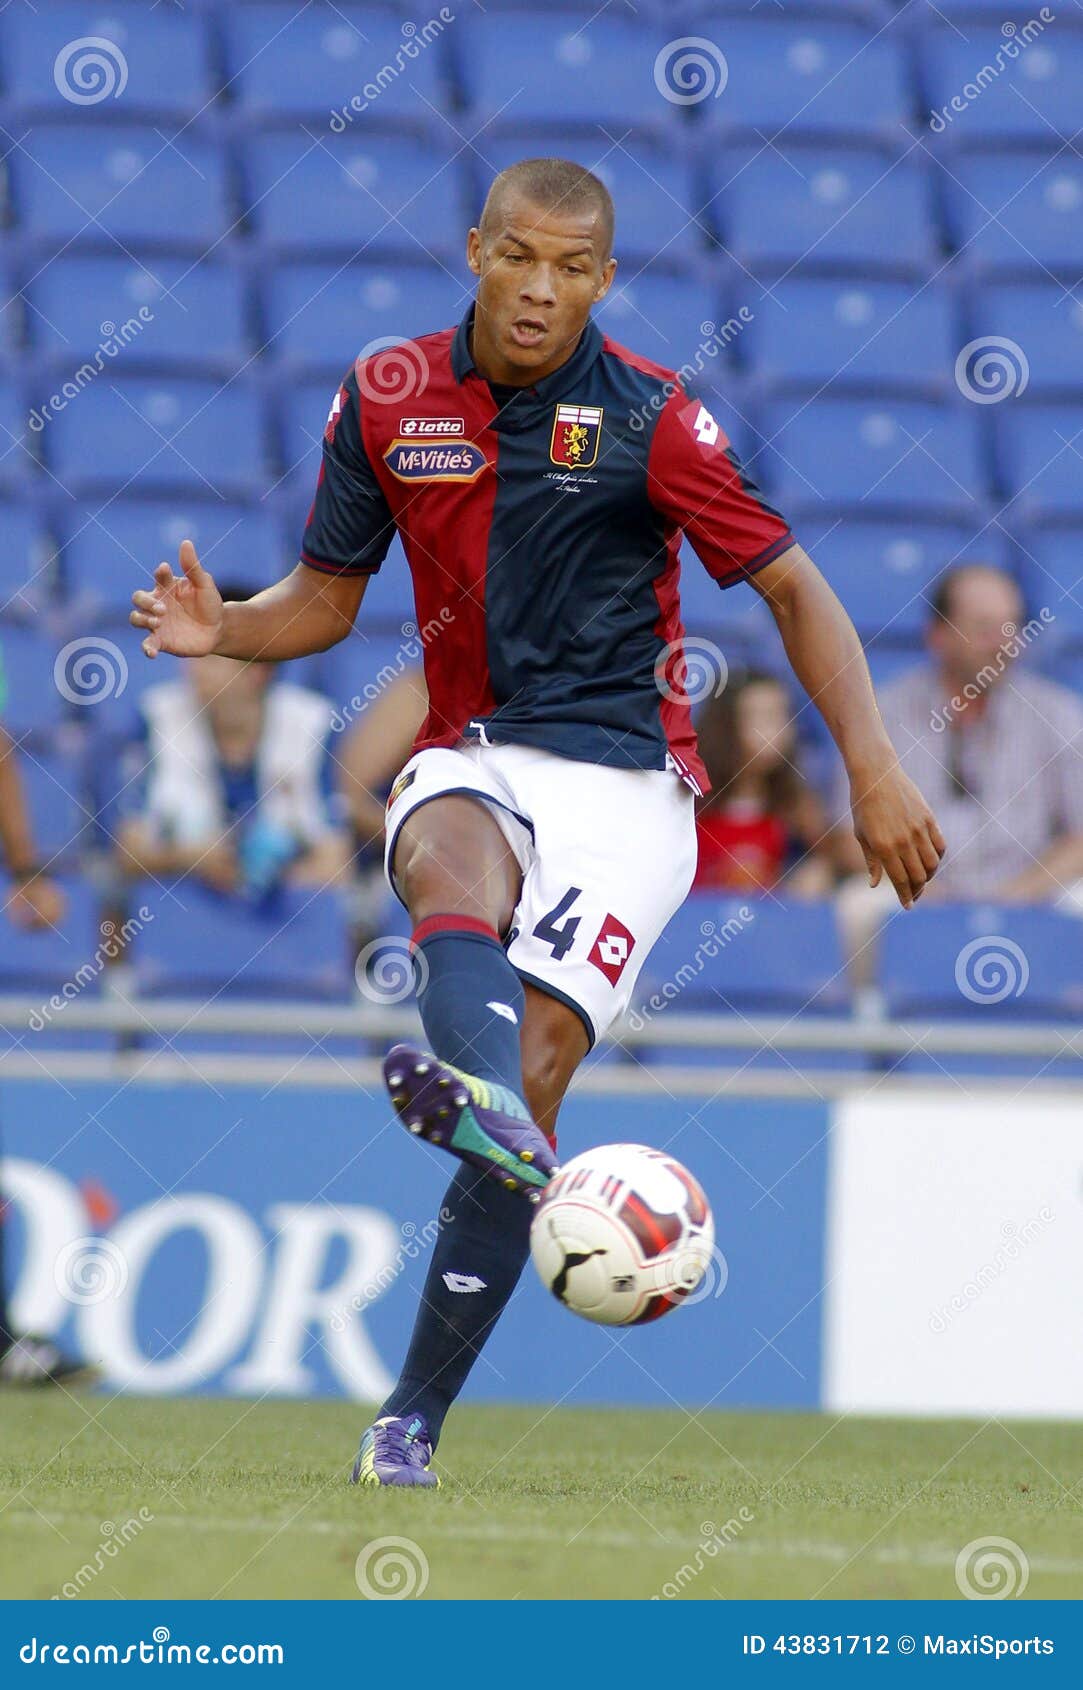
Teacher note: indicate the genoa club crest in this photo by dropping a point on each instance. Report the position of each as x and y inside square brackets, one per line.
[577, 429]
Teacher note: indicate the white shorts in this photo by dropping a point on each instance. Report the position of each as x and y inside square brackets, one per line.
[607, 855]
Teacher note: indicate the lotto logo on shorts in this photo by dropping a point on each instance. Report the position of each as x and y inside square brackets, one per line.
[612, 948]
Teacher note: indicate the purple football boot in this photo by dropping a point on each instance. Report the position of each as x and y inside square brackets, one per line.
[482, 1123]
[396, 1450]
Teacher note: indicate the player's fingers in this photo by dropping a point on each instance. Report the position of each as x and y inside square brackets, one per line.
[150, 602]
[927, 851]
[151, 646]
[896, 871]
[940, 844]
[191, 565]
[872, 864]
[163, 576]
[914, 869]
[140, 619]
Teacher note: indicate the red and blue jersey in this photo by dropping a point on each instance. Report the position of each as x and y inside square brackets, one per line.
[542, 527]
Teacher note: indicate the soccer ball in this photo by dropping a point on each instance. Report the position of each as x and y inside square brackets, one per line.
[622, 1234]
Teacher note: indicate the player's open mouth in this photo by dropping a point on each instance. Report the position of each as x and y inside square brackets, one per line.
[528, 331]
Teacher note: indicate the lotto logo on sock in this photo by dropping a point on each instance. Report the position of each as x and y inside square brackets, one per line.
[464, 1282]
[612, 948]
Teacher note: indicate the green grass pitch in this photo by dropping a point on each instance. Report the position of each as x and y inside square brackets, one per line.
[246, 1499]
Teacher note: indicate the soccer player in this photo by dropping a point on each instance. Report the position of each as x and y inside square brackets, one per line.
[542, 834]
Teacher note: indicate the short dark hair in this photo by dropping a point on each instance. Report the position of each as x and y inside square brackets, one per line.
[940, 598]
[549, 183]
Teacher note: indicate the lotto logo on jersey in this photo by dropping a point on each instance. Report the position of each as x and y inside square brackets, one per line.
[612, 948]
[411, 460]
[425, 426]
[577, 430]
[340, 399]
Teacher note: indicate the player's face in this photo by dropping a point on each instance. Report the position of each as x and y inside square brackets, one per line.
[540, 272]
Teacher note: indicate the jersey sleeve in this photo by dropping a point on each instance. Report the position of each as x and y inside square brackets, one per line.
[695, 479]
[350, 526]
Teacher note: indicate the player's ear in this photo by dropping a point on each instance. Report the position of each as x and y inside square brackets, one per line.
[473, 251]
[606, 282]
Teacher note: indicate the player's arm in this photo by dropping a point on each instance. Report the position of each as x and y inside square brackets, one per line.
[349, 530]
[696, 479]
[37, 901]
[894, 826]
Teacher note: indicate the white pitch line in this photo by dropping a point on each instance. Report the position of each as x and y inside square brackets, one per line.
[439, 1524]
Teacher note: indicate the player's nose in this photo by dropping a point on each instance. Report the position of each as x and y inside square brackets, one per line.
[539, 288]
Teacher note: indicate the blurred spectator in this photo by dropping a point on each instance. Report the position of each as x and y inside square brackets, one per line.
[761, 827]
[997, 752]
[236, 780]
[26, 1358]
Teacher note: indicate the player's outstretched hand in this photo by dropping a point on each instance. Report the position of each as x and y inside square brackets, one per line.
[184, 612]
[897, 832]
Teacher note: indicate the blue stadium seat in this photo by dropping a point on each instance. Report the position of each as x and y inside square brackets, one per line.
[779, 958]
[41, 59]
[18, 442]
[560, 71]
[853, 334]
[1040, 449]
[389, 597]
[1051, 572]
[883, 571]
[28, 567]
[33, 702]
[1018, 211]
[317, 319]
[111, 551]
[200, 944]
[1045, 322]
[669, 319]
[897, 453]
[366, 195]
[1033, 96]
[658, 206]
[314, 59]
[128, 435]
[942, 961]
[45, 959]
[824, 206]
[822, 78]
[128, 314]
[303, 419]
[100, 183]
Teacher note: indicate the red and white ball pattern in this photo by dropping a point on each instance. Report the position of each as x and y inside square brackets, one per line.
[622, 1234]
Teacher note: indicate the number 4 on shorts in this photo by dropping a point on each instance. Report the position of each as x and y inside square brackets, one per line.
[561, 938]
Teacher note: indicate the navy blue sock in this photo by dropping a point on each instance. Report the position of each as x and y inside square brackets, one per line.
[477, 1259]
[470, 997]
